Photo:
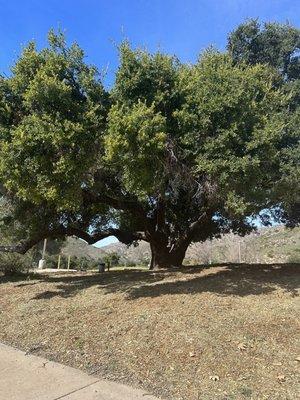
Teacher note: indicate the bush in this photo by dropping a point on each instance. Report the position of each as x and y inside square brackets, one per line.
[13, 264]
[130, 264]
[51, 261]
[82, 263]
[112, 259]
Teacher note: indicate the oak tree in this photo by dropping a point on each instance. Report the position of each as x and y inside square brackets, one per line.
[172, 154]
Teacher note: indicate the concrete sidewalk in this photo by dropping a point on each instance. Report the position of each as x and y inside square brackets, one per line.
[27, 377]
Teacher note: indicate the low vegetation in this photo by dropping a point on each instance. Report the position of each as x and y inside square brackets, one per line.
[14, 264]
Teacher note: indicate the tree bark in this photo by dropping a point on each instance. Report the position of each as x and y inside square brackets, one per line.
[164, 257]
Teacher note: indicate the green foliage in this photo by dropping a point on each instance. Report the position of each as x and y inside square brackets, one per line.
[12, 264]
[130, 264]
[135, 144]
[274, 44]
[151, 79]
[52, 260]
[231, 129]
[168, 145]
[53, 108]
[10, 231]
[145, 94]
[278, 45]
[111, 258]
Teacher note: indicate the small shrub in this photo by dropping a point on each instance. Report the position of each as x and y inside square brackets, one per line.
[13, 264]
[112, 259]
[130, 264]
[51, 261]
[83, 263]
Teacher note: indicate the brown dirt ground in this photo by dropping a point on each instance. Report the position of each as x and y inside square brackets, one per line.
[228, 332]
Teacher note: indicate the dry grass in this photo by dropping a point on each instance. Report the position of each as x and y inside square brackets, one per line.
[170, 333]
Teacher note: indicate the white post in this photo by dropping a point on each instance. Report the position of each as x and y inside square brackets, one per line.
[58, 263]
[42, 260]
[41, 264]
[44, 249]
[69, 261]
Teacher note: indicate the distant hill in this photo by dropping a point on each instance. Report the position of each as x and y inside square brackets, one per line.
[78, 248]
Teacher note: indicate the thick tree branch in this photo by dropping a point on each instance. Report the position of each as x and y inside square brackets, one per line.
[160, 214]
[120, 203]
[24, 245]
[126, 237]
[195, 226]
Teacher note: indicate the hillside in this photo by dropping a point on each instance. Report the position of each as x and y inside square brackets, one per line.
[276, 244]
[78, 248]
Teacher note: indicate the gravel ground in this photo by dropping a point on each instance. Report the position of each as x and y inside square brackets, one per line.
[228, 332]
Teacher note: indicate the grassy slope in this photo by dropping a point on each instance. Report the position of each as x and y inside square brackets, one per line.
[168, 332]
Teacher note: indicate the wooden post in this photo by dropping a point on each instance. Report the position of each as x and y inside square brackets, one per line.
[58, 263]
[69, 261]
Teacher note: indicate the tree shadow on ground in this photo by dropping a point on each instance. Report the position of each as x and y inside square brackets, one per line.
[222, 279]
[22, 277]
[238, 280]
[113, 281]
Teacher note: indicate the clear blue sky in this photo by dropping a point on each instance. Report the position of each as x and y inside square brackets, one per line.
[181, 27]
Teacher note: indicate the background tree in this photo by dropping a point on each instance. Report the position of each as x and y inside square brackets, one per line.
[270, 43]
[112, 259]
[172, 154]
[277, 45]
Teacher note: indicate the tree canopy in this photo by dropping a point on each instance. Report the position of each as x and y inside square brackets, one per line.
[173, 153]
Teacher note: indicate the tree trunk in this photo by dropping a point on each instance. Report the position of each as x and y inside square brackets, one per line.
[166, 257]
